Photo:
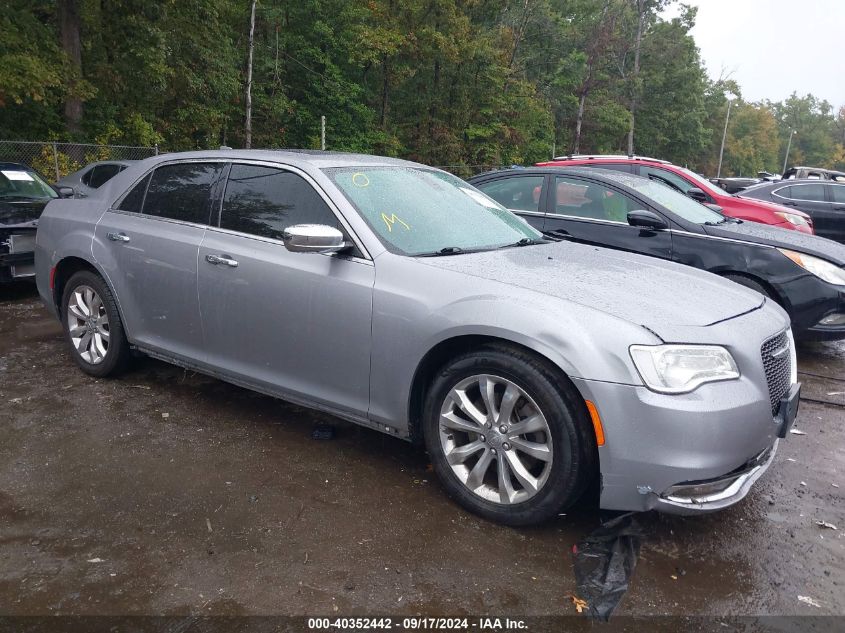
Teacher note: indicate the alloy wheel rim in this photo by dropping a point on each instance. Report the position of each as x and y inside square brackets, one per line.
[496, 439]
[88, 324]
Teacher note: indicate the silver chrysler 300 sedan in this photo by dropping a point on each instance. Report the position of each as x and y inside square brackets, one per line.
[398, 297]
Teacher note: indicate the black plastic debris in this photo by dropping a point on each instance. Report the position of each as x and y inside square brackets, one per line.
[604, 562]
[323, 432]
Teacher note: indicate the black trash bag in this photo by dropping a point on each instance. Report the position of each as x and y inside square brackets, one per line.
[604, 562]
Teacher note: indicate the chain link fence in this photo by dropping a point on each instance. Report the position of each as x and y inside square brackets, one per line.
[57, 160]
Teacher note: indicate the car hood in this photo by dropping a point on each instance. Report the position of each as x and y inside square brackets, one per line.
[639, 289]
[24, 212]
[782, 238]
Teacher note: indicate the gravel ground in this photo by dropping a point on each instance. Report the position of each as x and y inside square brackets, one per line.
[166, 492]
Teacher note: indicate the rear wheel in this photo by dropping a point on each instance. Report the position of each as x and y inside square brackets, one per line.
[92, 325]
[506, 438]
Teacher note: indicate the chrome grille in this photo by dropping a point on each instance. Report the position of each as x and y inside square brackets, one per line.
[778, 366]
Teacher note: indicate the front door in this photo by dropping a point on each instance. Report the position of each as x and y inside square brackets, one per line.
[809, 198]
[292, 324]
[147, 247]
[591, 212]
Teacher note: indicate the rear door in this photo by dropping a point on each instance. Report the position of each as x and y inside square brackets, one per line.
[810, 198]
[293, 324]
[148, 245]
[835, 221]
[594, 213]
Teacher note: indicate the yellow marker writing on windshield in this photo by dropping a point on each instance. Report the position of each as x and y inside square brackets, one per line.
[360, 180]
[393, 219]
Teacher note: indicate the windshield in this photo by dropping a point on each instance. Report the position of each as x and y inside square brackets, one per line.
[703, 181]
[24, 184]
[675, 201]
[417, 211]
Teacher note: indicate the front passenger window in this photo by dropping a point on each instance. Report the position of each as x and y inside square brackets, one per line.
[265, 201]
[587, 199]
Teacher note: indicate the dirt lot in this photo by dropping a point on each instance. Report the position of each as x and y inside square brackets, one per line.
[165, 492]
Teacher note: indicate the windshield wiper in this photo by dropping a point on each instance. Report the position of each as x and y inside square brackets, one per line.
[525, 241]
[448, 250]
[722, 221]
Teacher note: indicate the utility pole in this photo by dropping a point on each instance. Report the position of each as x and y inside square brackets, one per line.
[724, 135]
[323, 132]
[788, 147]
[248, 124]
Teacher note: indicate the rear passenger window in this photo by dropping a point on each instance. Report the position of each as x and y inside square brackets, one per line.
[133, 200]
[264, 201]
[807, 192]
[520, 193]
[838, 192]
[181, 191]
[623, 167]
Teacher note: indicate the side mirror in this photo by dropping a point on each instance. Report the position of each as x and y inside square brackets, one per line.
[313, 238]
[647, 220]
[65, 192]
[697, 194]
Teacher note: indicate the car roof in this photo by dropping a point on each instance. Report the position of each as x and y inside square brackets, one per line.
[632, 158]
[15, 166]
[618, 177]
[315, 158]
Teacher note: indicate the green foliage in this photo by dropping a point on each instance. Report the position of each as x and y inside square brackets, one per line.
[448, 82]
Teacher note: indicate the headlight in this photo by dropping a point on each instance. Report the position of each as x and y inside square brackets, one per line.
[682, 368]
[793, 218]
[822, 269]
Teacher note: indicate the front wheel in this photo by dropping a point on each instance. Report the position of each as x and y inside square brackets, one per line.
[507, 439]
[92, 325]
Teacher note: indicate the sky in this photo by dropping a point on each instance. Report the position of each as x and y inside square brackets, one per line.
[772, 48]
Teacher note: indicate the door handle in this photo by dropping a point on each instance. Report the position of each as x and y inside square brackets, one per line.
[118, 237]
[222, 259]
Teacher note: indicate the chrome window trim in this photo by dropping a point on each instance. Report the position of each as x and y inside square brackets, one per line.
[158, 217]
[594, 220]
[270, 240]
[721, 239]
[265, 163]
[314, 184]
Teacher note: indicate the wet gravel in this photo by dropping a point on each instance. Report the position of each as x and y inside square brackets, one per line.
[167, 492]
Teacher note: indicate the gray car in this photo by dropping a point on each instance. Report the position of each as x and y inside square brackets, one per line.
[86, 181]
[398, 297]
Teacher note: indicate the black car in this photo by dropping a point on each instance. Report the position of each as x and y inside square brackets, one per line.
[824, 200]
[23, 196]
[803, 273]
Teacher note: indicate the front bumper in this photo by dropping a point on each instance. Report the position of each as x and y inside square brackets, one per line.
[812, 301]
[707, 447]
[17, 256]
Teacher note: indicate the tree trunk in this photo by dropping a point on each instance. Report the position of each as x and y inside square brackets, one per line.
[385, 90]
[248, 122]
[69, 24]
[576, 145]
[636, 75]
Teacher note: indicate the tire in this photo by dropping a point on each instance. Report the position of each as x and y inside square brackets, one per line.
[558, 474]
[97, 343]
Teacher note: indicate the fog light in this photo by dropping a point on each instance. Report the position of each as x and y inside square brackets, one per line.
[833, 319]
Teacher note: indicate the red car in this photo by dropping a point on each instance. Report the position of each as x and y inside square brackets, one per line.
[695, 187]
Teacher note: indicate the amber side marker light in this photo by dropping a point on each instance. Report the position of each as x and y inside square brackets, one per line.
[594, 416]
